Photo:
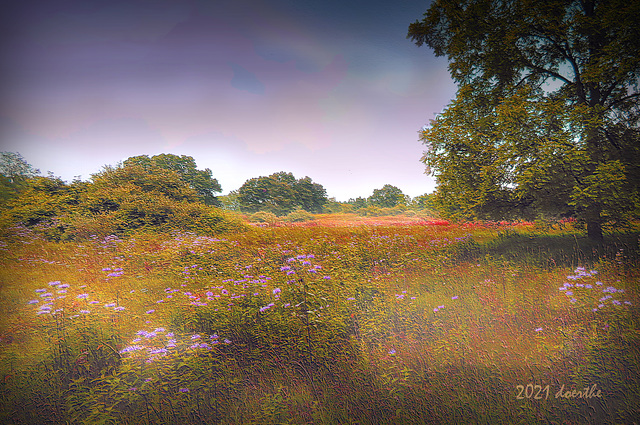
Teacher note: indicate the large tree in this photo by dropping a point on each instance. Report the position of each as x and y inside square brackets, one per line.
[387, 197]
[185, 167]
[281, 193]
[546, 116]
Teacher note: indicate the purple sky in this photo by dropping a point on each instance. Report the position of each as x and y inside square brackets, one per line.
[328, 89]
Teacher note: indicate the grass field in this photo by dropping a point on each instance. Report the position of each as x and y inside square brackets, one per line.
[340, 320]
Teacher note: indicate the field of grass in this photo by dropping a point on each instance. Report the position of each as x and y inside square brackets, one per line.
[335, 321]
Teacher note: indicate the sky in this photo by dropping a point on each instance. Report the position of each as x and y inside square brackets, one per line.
[329, 89]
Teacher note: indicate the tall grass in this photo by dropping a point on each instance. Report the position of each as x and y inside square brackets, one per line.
[393, 323]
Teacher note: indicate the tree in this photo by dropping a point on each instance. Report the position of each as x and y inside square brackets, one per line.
[13, 166]
[280, 193]
[310, 196]
[185, 166]
[14, 173]
[423, 202]
[387, 197]
[511, 144]
[358, 202]
[230, 202]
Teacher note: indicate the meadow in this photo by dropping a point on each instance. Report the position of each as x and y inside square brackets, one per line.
[334, 321]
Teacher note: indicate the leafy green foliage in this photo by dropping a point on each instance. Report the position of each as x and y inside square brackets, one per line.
[299, 216]
[201, 181]
[387, 197]
[119, 200]
[280, 193]
[512, 146]
[263, 217]
[14, 174]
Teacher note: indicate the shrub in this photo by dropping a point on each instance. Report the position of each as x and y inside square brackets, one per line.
[298, 216]
[263, 217]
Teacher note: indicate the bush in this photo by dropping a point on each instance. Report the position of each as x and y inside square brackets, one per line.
[263, 217]
[299, 216]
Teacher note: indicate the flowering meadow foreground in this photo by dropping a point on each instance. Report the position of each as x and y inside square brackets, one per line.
[392, 323]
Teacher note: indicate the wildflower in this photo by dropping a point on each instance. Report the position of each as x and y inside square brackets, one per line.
[194, 337]
[64, 285]
[351, 299]
[82, 296]
[569, 293]
[276, 291]
[392, 352]
[226, 341]
[33, 302]
[131, 348]
[454, 297]
[109, 305]
[38, 291]
[133, 389]
[55, 283]
[538, 329]
[149, 311]
[184, 390]
[119, 308]
[85, 311]
[435, 310]
[158, 330]
[616, 302]
[326, 277]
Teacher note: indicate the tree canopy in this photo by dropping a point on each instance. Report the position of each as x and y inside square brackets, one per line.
[546, 118]
[14, 174]
[387, 197]
[281, 193]
[185, 167]
[137, 195]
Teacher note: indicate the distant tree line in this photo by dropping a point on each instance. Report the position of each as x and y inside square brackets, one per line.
[169, 193]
